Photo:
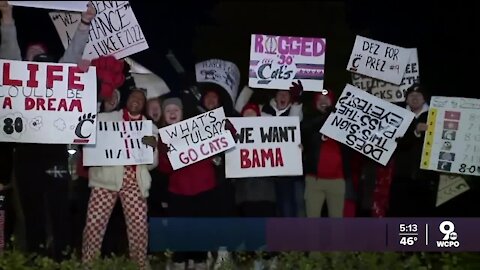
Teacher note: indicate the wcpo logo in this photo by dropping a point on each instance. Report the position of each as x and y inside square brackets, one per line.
[449, 235]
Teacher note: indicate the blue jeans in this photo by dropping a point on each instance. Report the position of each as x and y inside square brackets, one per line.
[299, 186]
[289, 193]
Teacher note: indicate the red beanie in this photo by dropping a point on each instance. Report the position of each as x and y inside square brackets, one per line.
[251, 106]
[329, 94]
[40, 44]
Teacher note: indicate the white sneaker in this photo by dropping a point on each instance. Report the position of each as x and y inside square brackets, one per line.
[222, 257]
[201, 266]
[190, 264]
[176, 266]
[273, 263]
[258, 265]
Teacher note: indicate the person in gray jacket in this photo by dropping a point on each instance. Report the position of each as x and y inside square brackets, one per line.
[43, 183]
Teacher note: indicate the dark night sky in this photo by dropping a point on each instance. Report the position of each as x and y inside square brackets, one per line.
[442, 33]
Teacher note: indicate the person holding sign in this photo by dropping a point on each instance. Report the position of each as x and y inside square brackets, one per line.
[286, 103]
[326, 162]
[413, 189]
[43, 188]
[7, 212]
[129, 183]
[11, 50]
[191, 188]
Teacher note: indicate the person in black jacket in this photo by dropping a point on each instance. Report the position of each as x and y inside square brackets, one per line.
[413, 190]
[7, 214]
[326, 163]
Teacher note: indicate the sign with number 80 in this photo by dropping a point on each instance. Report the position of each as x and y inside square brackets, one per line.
[12, 125]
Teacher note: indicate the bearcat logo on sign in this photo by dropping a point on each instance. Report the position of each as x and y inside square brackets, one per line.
[86, 118]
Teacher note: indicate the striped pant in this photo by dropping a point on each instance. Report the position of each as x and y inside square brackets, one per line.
[100, 207]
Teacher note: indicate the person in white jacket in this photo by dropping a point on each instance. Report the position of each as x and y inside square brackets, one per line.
[43, 184]
[130, 183]
[285, 103]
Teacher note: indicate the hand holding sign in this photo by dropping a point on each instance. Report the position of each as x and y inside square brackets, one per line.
[421, 127]
[6, 9]
[150, 141]
[296, 91]
[229, 126]
[88, 15]
[162, 148]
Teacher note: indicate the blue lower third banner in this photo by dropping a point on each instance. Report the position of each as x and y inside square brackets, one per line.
[315, 234]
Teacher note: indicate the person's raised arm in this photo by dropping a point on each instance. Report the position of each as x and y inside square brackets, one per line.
[74, 52]
[243, 98]
[9, 49]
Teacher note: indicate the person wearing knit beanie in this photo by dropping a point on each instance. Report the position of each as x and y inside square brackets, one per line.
[172, 109]
[251, 110]
[111, 104]
[416, 98]
[191, 189]
[324, 100]
[34, 49]
[326, 163]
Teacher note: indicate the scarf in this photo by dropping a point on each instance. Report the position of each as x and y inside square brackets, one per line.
[128, 117]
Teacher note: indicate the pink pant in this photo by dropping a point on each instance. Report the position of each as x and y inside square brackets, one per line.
[100, 207]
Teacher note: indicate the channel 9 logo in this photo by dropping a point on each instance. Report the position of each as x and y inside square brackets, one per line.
[447, 228]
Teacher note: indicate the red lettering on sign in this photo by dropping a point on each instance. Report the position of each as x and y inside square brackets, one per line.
[7, 102]
[6, 76]
[261, 158]
[63, 104]
[73, 78]
[51, 77]
[32, 81]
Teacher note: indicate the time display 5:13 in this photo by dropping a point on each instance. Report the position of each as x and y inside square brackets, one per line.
[408, 228]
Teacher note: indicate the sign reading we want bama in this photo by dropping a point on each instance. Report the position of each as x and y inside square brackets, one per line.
[265, 146]
[367, 124]
[115, 30]
[197, 138]
[47, 103]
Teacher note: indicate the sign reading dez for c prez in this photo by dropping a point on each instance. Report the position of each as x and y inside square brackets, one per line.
[47, 103]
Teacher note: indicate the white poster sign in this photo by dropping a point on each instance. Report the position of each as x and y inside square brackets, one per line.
[277, 61]
[452, 141]
[379, 60]
[265, 146]
[221, 72]
[387, 91]
[119, 143]
[367, 124]
[449, 187]
[58, 5]
[196, 138]
[114, 31]
[47, 103]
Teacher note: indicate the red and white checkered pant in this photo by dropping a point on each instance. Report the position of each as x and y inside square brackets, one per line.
[100, 207]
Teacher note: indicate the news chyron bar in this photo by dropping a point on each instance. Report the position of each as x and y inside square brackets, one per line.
[317, 234]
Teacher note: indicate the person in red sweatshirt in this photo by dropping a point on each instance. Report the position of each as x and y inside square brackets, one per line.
[191, 188]
[327, 164]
